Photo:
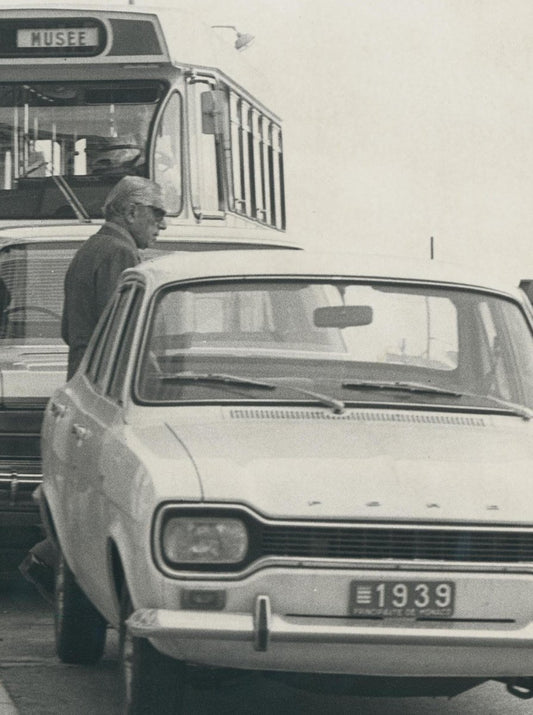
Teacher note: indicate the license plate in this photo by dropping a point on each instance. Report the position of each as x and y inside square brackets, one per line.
[402, 599]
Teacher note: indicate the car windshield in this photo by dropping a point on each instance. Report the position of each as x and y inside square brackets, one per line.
[31, 291]
[343, 341]
[89, 133]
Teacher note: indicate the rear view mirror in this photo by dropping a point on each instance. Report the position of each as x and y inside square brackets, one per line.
[343, 316]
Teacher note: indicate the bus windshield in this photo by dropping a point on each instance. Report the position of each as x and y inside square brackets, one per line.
[85, 134]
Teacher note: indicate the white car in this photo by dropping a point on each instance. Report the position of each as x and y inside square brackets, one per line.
[302, 464]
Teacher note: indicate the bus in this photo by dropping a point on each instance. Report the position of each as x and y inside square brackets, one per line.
[90, 95]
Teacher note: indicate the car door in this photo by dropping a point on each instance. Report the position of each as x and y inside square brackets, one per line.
[56, 445]
[97, 436]
[62, 445]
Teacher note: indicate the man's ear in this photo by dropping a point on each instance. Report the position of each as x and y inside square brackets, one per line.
[130, 214]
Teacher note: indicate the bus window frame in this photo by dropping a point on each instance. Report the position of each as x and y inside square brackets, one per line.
[195, 111]
[159, 117]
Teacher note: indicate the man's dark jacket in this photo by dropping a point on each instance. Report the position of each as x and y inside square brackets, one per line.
[90, 281]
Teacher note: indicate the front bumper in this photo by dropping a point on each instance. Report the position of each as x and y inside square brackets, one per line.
[18, 482]
[20, 521]
[268, 641]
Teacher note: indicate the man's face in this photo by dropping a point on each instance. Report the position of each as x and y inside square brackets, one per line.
[145, 223]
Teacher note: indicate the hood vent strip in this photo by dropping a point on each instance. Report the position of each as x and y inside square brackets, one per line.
[355, 416]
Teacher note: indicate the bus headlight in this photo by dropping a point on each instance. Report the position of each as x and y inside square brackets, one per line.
[204, 540]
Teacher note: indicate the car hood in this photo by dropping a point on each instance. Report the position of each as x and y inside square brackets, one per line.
[29, 374]
[372, 464]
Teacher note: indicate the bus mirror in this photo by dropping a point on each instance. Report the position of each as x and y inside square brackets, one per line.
[343, 316]
[213, 111]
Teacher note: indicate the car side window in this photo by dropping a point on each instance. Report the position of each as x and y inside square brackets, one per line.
[95, 350]
[108, 338]
[494, 355]
[118, 373]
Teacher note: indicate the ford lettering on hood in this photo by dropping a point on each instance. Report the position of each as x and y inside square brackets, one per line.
[289, 463]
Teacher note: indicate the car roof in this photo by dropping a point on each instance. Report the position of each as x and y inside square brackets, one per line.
[268, 257]
[176, 267]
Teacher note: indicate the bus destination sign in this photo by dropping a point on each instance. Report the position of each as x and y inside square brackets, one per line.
[74, 37]
[51, 37]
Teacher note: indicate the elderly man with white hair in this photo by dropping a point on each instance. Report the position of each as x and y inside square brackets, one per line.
[134, 214]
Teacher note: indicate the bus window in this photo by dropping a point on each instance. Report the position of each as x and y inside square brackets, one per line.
[264, 142]
[91, 133]
[167, 155]
[241, 155]
[257, 164]
[275, 176]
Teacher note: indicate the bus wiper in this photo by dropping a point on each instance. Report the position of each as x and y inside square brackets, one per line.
[417, 387]
[73, 201]
[337, 406]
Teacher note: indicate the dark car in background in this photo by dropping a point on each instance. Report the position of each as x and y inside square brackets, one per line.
[32, 364]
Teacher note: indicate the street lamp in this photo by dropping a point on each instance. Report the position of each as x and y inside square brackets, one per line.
[243, 39]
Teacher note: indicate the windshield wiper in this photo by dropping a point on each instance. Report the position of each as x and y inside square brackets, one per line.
[215, 377]
[417, 387]
[420, 388]
[73, 201]
[337, 406]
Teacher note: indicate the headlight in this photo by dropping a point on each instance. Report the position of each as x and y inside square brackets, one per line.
[204, 540]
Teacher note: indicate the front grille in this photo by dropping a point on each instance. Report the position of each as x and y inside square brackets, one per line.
[361, 542]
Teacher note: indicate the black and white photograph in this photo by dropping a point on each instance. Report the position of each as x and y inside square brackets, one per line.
[266, 357]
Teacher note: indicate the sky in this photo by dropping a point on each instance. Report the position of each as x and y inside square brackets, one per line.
[403, 120]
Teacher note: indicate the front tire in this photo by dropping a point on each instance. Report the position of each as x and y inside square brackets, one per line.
[152, 682]
[80, 630]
